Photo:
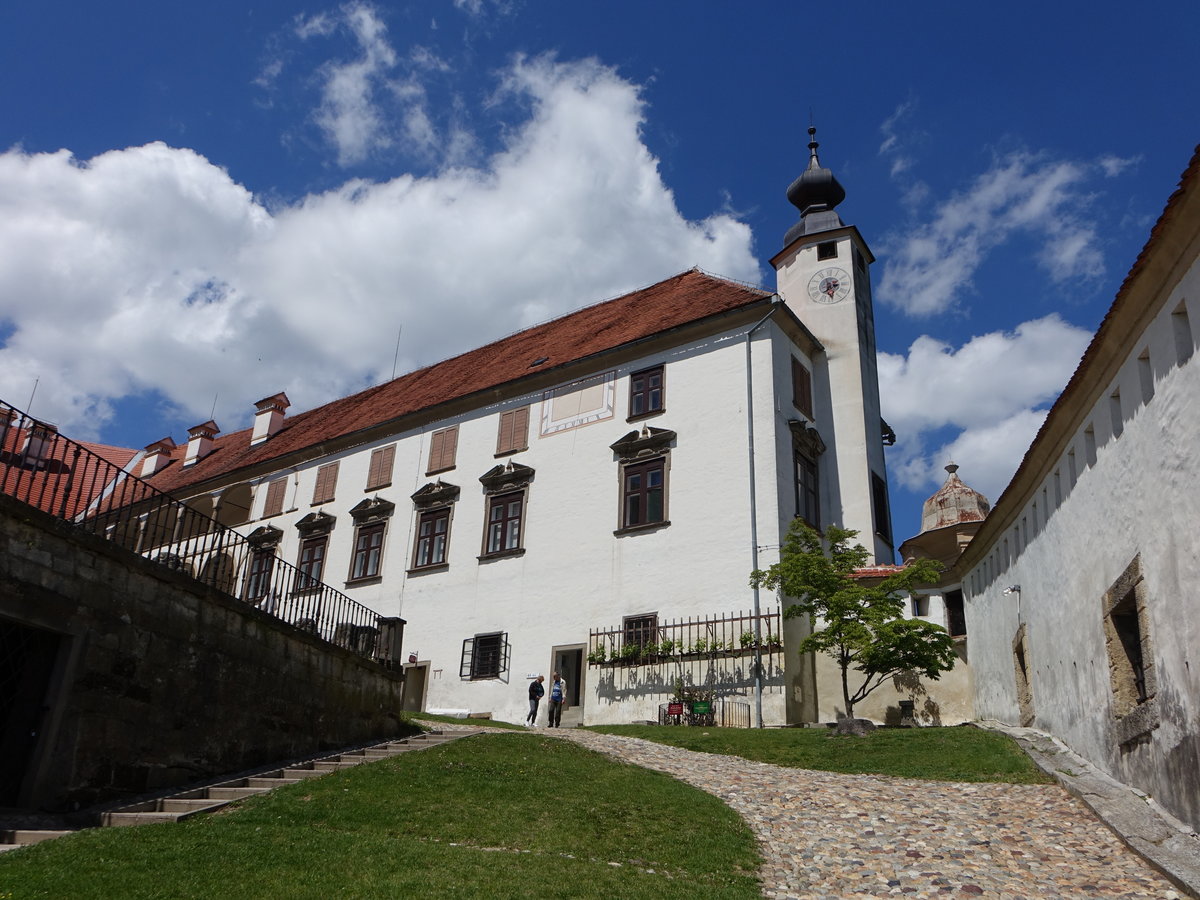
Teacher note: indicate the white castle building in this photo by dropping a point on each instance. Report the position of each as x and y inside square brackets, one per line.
[589, 495]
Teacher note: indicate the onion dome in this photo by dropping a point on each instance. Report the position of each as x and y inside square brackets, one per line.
[953, 504]
[815, 191]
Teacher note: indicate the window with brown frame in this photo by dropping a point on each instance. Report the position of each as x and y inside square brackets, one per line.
[808, 497]
[311, 564]
[802, 388]
[827, 250]
[641, 630]
[513, 434]
[644, 495]
[258, 577]
[276, 493]
[433, 533]
[368, 551]
[646, 392]
[326, 483]
[505, 513]
[379, 473]
[443, 445]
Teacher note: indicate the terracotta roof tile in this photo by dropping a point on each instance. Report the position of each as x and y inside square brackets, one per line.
[683, 299]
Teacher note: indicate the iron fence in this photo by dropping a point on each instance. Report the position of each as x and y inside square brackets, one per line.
[99, 495]
[644, 640]
[712, 713]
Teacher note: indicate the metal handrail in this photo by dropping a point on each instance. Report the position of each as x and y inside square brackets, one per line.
[42, 468]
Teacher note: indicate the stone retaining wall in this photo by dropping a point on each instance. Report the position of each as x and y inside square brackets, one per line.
[151, 679]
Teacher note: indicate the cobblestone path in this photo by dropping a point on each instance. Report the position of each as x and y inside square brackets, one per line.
[829, 835]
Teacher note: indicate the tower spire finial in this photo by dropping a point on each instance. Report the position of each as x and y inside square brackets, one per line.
[813, 162]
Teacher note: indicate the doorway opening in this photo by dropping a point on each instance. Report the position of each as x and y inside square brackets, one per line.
[567, 660]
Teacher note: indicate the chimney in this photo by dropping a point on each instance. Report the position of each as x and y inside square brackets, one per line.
[37, 442]
[268, 417]
[200, 440]
[157, 455]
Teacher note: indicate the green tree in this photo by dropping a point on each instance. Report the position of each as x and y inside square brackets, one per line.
[861, 626]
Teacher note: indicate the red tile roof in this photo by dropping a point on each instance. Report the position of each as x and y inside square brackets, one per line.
[681, 300]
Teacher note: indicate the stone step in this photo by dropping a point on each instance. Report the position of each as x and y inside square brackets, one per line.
[221, 792]
[23, 837]
[270, 781]
[175, 804]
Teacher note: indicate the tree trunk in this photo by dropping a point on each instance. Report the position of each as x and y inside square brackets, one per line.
[846, 690]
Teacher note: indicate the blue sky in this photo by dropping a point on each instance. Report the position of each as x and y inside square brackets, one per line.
[229, 199]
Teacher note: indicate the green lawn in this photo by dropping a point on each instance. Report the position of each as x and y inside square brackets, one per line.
[501, 815]
[943, 754]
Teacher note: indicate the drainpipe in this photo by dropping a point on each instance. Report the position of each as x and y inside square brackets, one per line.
[776, 300]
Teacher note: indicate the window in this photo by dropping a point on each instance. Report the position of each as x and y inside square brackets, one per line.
[1089, 445]
[311, 564]
[646, 392]
[433, 529]
[370, 520]
[505, 486]
[1114, 410]
[1146, 376]
[883, 515]
[644, 498]
[641, 630]
[326, 483]
[258, 577]
[504, 522]
[1130, 655]
[276, 492]
[808, 498]
[920, 605]
[956, 619]
[485, 656]
[827, 250]
[1182, 330]
[379, 474]
[368, 552]
[442, 447]
[513, 435]
[802, 388]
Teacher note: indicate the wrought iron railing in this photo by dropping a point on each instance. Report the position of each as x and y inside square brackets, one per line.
[647, 641]
[40, 467]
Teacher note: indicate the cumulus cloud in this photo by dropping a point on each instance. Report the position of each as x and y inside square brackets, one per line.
[931, 265]
[150, 272]
[980, 404]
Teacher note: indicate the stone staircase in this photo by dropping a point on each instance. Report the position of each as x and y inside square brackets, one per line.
[188, 803]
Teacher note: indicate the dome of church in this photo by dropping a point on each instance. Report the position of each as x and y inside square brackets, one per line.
[817, 190]
[953, 504]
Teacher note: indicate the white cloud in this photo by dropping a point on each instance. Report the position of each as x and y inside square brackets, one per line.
[988, 397]
[898, 136]
[348, 114]
[150, 269]
[931, 266]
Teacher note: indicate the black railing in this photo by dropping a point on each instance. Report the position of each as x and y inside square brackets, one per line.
[40, 467]
[648, 641]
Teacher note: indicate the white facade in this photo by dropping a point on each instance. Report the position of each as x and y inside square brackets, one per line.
[1081, 586]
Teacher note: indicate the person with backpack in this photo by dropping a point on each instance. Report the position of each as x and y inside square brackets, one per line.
[558, 696]
[536, 692]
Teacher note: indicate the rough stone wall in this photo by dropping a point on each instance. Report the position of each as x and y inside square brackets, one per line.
[162, 681]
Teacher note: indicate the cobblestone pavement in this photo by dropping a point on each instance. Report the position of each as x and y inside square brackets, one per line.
[828, 835]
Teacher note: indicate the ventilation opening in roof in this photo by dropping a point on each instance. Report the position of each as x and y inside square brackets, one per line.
[537, 362]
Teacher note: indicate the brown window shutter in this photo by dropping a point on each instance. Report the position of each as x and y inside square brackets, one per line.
[521, 428]
[326, 483]
[380, 472]
[275, 495]
[801, 388]
[514, 431]
[442, 446]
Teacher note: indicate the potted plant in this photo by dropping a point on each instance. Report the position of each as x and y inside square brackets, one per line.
[746, 639]
[598, 655]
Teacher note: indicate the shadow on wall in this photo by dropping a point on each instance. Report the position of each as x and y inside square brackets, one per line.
[728, 678]
[926, 710]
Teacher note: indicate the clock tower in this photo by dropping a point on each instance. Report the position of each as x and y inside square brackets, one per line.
[822, 273]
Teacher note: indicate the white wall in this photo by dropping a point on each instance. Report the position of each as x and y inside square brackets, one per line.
[1141, 497]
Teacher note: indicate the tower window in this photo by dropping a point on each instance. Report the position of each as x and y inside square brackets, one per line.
[827, 250]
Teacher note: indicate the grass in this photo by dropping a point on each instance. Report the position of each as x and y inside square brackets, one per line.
[938, 754]
[500, 815]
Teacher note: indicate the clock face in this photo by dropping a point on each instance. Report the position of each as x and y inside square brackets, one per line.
[829, 285]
